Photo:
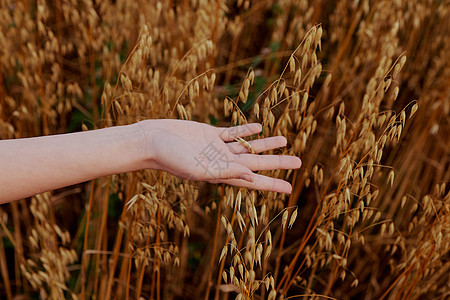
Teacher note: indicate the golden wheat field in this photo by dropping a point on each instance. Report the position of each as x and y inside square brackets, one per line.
[360, 89]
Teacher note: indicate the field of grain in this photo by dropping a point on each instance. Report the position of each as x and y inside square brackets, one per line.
[360, 89]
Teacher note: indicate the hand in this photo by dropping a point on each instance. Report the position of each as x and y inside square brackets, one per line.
[197, 151]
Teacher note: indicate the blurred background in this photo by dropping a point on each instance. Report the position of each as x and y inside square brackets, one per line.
[361, 90]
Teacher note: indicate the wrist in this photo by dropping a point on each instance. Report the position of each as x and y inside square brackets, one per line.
[125, 148]
[146, 131]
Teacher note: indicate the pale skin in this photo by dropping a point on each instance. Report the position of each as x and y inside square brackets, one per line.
[187, 149]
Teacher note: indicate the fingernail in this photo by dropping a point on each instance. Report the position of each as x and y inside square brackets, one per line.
[247, 177]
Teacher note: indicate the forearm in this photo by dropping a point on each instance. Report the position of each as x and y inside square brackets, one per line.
[187, 149]
[34, 165]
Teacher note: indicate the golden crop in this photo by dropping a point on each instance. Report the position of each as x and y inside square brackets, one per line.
[360, 89]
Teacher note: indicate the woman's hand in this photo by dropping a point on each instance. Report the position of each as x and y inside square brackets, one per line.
[186, 149]
[197, 151]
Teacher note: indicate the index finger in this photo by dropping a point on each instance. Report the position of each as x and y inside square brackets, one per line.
[230, 133]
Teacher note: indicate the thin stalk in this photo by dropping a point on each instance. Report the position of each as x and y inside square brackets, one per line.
[264, 266]
[417, 275]
[118, 241]
[283, 236]
[335, 267]
[92, 75]
[45, 130]
[156, 271]
[102, 233]
[19, 243]
[141, 274]
[342, 48]
[216, 235]
[4, 271]
[396, 281]
[222, 263]
[85, 244]
[130, 239]
[231, 57]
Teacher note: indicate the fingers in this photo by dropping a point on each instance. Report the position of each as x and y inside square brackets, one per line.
[233, 171]
[240, 171]
[263, 183]
[259, 145]
[228, 134]
[268, 162]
